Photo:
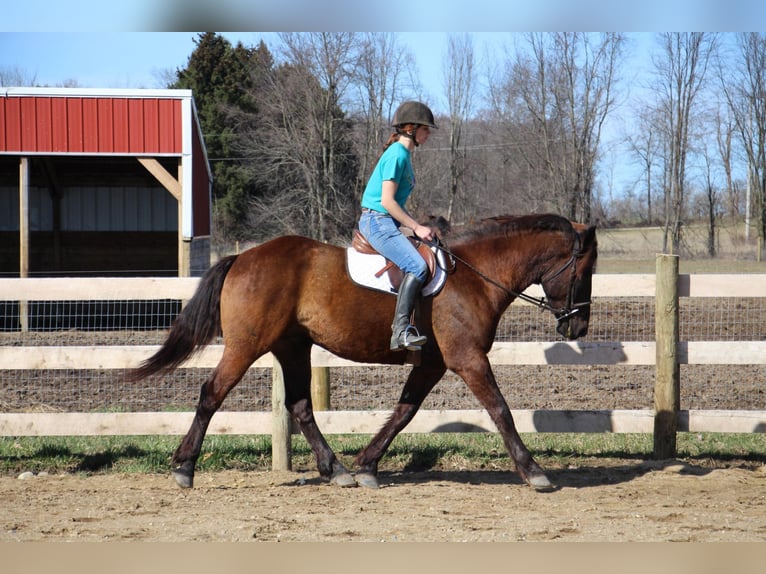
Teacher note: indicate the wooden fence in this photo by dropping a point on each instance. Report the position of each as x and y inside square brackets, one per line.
[666, 353]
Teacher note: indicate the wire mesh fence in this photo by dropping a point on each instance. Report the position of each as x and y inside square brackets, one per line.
[560, 387]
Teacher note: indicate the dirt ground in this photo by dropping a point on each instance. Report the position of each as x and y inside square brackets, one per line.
[606, 502]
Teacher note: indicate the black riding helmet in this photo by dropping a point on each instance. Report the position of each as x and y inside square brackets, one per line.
[413, 112]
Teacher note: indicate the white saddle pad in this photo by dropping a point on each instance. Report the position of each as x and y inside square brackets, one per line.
[362, 268]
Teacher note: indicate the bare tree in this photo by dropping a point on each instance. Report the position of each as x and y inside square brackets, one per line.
[330, 59]
[711, 201]
[384, 72]
[565, 82]
[460, 86]
[645, 144]
[744, 85]
[302, 138]
[17, 77]
[725, 132]
[680, 67]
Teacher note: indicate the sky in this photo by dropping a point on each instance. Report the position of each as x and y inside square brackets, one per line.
[420, 15]
[144, 59]
[135, 44]
[138, 59]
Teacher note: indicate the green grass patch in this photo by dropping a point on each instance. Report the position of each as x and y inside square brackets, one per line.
[409, 452]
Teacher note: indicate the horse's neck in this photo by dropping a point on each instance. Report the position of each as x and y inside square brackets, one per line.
[514, 262]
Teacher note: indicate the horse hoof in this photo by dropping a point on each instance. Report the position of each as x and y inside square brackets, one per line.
[182, 479]
[342, 479]
[541, 483]
[367, 480]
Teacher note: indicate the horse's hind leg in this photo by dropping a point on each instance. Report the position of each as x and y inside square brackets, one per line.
[226, 375]
[295, 361]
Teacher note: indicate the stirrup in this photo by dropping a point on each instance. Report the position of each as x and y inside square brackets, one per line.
[409, 340]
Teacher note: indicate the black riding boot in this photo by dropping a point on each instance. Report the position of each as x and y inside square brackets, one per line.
[405, 336]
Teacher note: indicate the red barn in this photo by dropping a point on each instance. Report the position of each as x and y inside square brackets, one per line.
[102, 181]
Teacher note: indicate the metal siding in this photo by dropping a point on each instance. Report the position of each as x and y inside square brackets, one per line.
[13, 126]
[103, 221]
[59, 124]
[158, 211]
[145, 197]
[136, 125]
[9, 208]
[121, 123]
[40, 209]
[90, 124]
[105, 126]
[88, 211]
[76, 124]
[67, 211]
[3, 124]
[151, 122]
[28, 124]
[43, 123]
[115, 205]
[75, 137]
[168, 131]
[201, 186]
[128, 210]
[178, 126]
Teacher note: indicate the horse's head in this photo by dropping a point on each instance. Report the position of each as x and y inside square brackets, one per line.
[568, 287]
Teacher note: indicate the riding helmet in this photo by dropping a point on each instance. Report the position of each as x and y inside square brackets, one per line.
[413, 112]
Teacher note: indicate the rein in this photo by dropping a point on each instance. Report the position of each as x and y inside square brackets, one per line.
[560, 313]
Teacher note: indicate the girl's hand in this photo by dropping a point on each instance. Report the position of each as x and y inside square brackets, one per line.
[423, 232]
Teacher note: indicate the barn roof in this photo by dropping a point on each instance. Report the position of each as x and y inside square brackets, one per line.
[140, 123]
[96, 121]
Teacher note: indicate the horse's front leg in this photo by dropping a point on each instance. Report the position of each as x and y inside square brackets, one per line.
[417, 387]
[477, 374]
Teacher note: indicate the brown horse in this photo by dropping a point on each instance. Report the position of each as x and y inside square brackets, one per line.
[292, 292]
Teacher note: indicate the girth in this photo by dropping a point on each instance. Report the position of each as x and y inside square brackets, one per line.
[359, 243]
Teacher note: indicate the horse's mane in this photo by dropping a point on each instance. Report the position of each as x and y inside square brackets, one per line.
[507, 225]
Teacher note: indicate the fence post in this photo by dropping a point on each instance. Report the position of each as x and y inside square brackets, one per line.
[320, 388]
[667, 378]
[281, 449]
[24, 236]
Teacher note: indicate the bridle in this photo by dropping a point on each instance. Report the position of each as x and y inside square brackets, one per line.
[571, 308]
[561, 313]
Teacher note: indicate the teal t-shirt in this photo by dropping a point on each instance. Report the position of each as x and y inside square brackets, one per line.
[396, 165]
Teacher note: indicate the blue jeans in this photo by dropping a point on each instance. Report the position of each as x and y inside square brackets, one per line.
[382, 232]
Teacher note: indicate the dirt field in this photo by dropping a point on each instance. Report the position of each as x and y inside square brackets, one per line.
[606, 502]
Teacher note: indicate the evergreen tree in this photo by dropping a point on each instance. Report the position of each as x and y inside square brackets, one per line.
[222, 79]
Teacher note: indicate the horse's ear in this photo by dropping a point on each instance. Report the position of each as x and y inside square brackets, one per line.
[588, 237]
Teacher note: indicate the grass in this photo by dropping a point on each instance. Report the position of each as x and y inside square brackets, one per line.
[446, 451]
[634, 250]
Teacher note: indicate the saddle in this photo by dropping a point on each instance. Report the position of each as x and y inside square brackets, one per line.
[395, 275]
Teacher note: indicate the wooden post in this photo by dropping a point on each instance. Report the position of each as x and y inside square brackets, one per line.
[184, 246]
[281, 448]
[23, 235]
[667, 379]
[320, 388]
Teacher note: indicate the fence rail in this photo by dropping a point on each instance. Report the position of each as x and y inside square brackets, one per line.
[503, 353]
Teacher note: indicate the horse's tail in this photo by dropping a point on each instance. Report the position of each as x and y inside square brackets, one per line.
[197, 324]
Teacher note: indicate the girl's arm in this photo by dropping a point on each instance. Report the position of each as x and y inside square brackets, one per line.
[396, 211]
